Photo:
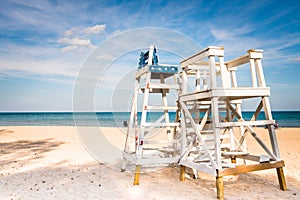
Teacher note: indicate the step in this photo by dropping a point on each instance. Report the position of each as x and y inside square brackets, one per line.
[154, 85]
[202, 158]
[161, 108]
[245, 123]
[161, 141]
[191, 130]
[148, 124]
[234, 153]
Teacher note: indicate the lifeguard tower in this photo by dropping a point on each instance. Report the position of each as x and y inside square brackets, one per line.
[213, 129]
[209, 133]
[152, 139]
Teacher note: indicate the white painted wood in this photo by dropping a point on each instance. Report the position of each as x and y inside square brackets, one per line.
[161, 85]
[165, 104]
[141, 72]
[205, 139]
[255, 53]
[253, 73]
[161, 142]
[225, 76]
[273, 139]
[238, 93]
[147, 149]
[209, 51]
[237, 61]
[242, 145]
[161, 107]
[260, 73]
[233, 77]
[197, 132]
[245, 123]
[204, 167]
[184, 82]
[151, 52]
[150, 160]
[251, 130]
[183, 133]
[149, 124]
[241, 92]
[212, 71]
[215, 113]
[204, 150]
[198, 80]
[205, 81]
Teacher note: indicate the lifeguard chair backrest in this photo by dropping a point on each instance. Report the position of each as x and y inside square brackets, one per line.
[148, 58]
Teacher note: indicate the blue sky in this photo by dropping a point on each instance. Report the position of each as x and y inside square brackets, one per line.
[44, 44]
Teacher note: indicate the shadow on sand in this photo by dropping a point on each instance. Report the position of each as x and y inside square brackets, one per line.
[24, 150]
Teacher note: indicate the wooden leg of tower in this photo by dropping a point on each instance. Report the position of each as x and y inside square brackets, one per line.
[136, 180]
[123, 165]
[281, 178]
[182, 173]
[220, 187]
[233, 159]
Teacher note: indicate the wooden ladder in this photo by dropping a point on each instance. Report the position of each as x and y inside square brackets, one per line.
[153, 141]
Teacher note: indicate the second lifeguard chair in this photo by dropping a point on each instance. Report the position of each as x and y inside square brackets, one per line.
[152, 139]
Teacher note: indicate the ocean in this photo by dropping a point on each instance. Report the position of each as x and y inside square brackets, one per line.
[113, 119]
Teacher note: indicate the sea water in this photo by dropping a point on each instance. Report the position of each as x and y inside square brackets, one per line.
[113, 119]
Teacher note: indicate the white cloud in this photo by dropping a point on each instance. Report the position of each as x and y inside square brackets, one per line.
[229, 34]
[97, 29]
[221, 34]
[77, 38]
[75, 41]
[70, 48]
[40, 61]
[71, 32]
[75, 44]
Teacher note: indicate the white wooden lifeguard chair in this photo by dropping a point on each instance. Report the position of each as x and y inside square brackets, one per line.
[213, 129]
[148, 142]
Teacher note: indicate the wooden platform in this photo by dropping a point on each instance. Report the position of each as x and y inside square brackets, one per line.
[226, 94]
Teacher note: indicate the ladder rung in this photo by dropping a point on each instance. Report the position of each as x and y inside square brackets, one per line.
[202, 158]
[169, 150]
[189, 130]
[163, 86]
[206, 131]
[160, 141]
[245, 123]
[201, 150]
[147, 124]
[161, 108]
[211, 145]
[234, 153]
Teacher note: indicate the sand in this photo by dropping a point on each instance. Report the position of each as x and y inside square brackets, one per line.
[51, 163]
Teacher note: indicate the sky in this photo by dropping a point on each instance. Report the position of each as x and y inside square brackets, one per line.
[46, 47]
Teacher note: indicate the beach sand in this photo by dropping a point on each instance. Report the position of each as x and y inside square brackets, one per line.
[51, 163]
